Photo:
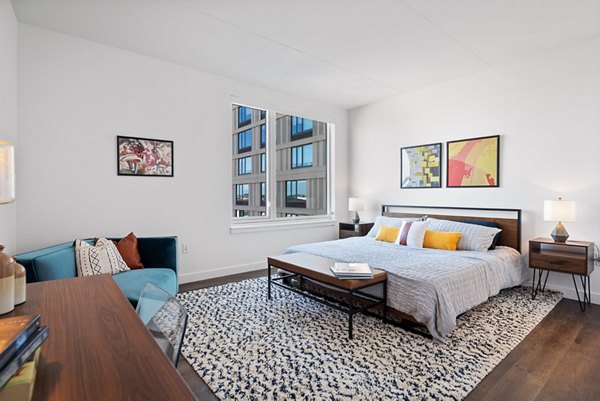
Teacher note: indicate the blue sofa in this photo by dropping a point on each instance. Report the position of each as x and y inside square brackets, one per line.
[158, 254]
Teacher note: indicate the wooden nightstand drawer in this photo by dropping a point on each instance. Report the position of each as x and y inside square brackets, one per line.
[559, 261]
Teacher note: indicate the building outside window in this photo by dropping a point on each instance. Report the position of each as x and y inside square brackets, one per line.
[245, 141]
[244, 116]
[245, 165]
[242, 194]
[297, 147]
[302, 156]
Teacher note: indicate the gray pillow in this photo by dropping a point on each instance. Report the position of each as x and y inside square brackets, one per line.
[473, 238]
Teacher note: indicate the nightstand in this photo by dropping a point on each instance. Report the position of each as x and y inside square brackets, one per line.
[354, 230]
[572, 257]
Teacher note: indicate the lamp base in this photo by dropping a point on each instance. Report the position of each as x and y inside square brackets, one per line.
[356, 218]
[559, 234]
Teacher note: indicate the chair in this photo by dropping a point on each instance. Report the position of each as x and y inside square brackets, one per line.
[166, 319]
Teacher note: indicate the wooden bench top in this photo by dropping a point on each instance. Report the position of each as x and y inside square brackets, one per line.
[319, 268]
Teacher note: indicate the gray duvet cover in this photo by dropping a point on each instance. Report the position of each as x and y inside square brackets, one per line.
[433, 286]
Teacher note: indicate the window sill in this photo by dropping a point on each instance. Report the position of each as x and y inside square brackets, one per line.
[281, 224]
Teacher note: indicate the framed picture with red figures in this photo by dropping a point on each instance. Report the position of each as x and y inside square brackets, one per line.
[144, 157]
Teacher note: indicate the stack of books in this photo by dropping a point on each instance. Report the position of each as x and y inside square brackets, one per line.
[20, 338]
[352, 271]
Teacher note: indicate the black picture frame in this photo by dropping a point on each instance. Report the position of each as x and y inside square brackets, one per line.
[452, 164]
[145, 157]
[407, 182]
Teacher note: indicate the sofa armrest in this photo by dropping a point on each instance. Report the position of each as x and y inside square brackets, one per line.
[158, 252]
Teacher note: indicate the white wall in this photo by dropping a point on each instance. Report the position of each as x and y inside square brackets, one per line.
[546, 108]
[75, 96]
[8, 111]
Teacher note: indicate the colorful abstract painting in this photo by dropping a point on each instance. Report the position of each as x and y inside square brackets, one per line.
[144, 157]
[421, 166]
[473, 162]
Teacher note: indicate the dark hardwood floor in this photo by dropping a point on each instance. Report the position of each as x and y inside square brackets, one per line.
[558, 360]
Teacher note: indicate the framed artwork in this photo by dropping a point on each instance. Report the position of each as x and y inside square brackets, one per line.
[144, 157]
[473, 162]
[421, 166]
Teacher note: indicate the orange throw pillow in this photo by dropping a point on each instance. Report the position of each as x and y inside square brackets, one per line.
[128, 248]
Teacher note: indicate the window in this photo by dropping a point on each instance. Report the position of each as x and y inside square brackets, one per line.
[245, 141]
[244, 116]
[263, 162]
[295, 193]
[245, 165]
[302, 156]
[296, 186]
[263, 136]
[301, 128]
[242, 194]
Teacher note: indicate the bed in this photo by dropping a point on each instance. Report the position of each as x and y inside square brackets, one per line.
[431, 286]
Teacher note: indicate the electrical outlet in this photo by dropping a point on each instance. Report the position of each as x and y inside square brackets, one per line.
[185, 247]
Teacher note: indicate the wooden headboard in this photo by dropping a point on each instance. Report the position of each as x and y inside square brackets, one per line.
[509, 220]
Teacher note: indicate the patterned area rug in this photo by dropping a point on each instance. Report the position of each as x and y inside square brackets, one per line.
[293, 348]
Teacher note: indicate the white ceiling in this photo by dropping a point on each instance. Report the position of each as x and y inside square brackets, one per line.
[343, 52]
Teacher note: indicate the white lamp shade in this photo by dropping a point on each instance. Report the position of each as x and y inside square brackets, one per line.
[559, 210]
[355, 204]
[7, 172]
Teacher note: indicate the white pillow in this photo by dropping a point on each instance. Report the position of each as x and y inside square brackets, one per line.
[416, 234]
[99, 259]
[473, 238]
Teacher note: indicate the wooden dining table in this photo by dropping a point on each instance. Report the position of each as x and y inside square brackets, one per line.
[98, 348]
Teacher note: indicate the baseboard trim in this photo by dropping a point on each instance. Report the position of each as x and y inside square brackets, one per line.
[222, 271]
[569, 292]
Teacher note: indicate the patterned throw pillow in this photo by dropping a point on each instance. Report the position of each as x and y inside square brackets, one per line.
[101, 258]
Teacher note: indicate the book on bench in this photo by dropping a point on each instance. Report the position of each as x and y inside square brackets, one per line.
[352, 271]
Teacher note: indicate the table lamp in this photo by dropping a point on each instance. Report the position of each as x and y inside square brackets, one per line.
[355, 204]
[559, 211]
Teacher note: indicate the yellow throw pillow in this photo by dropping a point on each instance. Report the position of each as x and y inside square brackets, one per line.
[388, 234]
[441, 240]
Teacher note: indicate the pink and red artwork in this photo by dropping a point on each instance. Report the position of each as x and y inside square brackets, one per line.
[473, 162]
[144, 157]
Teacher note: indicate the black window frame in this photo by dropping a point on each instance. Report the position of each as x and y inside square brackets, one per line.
[303, 133]
[239, 194]
[243, 122]
[263, 136]
[291, 200]
[299, 150]
[263, 194]
[243, 163]
[244, 149]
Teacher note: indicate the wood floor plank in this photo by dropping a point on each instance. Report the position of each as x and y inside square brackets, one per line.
[558, 360]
